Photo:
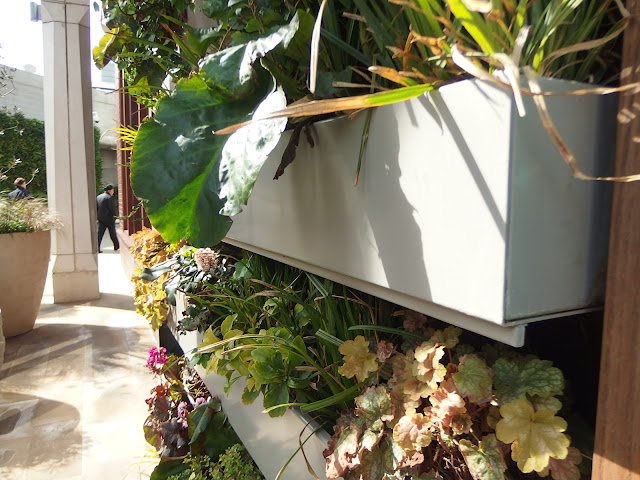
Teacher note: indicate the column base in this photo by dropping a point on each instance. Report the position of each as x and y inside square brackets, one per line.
[75, 286]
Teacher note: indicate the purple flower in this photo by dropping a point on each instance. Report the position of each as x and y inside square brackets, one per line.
[183, 409]
[200, 401]
[157, 359]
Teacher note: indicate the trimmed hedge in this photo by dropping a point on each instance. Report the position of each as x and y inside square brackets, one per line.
[23, 138]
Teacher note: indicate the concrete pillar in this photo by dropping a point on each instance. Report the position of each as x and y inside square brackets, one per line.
[69, 148]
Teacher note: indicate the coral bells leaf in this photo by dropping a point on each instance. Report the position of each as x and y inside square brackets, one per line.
[484, 461]
[358, 361]
[566, 468]
[535, 377]
[385, 351]
[534, 436]
[474, 379]
[448, 406]
[427, 366]
[372, 466]
[375, 406]
[449, 337]
[413, 431]
[342, 452]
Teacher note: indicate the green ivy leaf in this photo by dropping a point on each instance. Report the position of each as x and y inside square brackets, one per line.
[249, 396]
[277, 394]
[512, 380]
[473, 378]
[268, 365]
[485, 461]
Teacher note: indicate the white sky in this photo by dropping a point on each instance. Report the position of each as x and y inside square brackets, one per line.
[21, 39]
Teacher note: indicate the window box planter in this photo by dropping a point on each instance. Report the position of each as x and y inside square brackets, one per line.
[463, 210]
[270, 441]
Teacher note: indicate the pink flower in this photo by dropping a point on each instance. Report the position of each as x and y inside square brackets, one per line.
[157, 359]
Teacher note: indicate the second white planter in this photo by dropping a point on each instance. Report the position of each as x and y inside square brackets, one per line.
[274, 443]
[463, 210]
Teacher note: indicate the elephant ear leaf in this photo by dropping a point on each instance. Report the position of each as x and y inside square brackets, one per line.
[177, 164]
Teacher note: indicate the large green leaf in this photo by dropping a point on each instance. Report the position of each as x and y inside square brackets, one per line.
[246, 151]
[177, 164]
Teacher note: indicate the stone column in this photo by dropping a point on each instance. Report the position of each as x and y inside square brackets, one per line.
[69, 148]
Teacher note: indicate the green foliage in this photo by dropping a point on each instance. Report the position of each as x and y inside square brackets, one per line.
[98, 159]
[234, 464]
[142, 43]
[23, 139]
[428, 406]
[402, 43]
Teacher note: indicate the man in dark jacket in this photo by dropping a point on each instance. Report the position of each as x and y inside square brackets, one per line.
[21, 190]
[107, 217]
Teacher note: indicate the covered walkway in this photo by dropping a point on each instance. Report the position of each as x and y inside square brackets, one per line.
[73, 390]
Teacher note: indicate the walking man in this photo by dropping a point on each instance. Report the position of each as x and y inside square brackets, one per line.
[107, 217]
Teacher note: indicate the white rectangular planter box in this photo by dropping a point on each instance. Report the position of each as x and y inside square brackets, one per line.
[270, 441]
[463, 211]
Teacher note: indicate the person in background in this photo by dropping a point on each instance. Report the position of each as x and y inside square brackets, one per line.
[21, 190]
[107, 213]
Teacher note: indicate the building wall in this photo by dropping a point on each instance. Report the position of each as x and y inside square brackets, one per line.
[24, 93]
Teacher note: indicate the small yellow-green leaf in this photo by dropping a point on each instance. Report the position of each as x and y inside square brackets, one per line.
[358, 361]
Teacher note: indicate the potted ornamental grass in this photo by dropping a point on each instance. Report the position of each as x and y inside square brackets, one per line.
[25, 244]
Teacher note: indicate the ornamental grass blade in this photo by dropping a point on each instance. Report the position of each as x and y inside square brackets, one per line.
[333, 105]
[567, 155]
[475, 24]
[315, 47]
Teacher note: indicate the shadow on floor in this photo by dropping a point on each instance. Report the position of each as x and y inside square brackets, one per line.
[32, 428]
[45, 345]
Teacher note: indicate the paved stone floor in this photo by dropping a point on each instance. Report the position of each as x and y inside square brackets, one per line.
[72, 390]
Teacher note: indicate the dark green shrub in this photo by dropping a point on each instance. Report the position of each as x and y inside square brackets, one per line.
[23, 138]
[98, 163]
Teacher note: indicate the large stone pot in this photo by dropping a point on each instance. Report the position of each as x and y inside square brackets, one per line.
[25, 260]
